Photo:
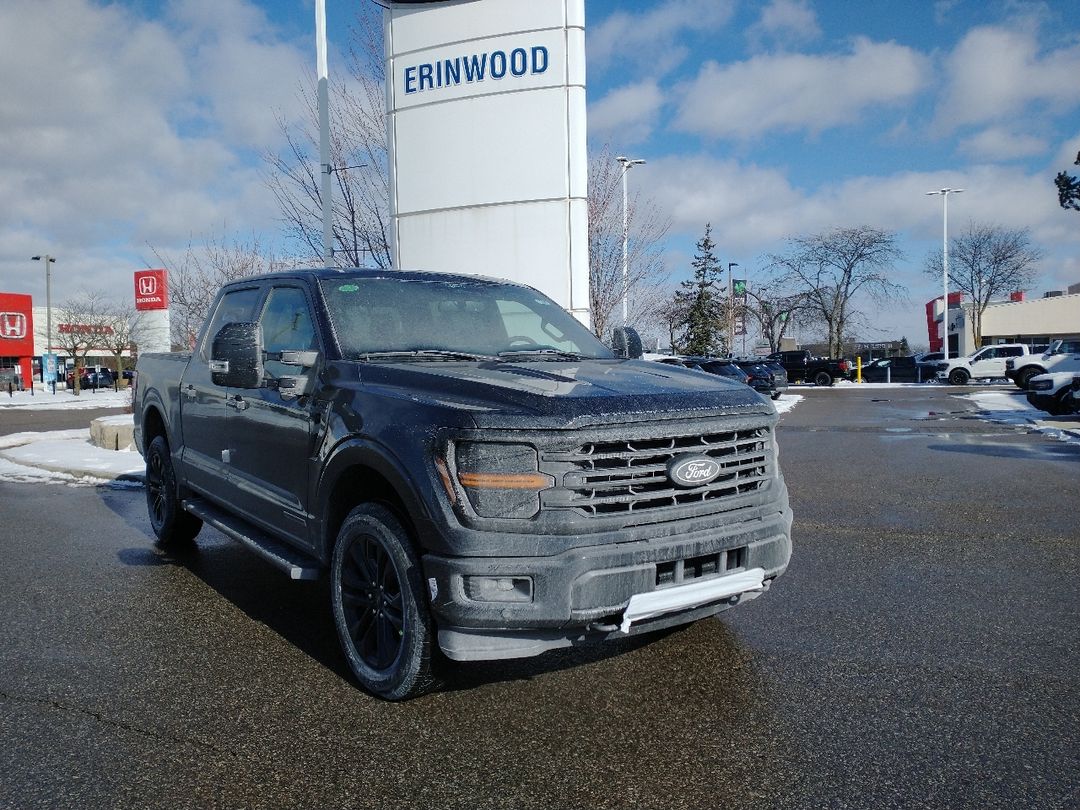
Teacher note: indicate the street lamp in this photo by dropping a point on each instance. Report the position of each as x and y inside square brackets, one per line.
[731, 308]
[945, 192]
[49, 261]
[627, 164]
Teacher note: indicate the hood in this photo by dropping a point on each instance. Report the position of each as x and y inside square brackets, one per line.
[566, 393]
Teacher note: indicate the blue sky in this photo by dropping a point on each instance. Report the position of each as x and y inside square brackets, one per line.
[139, 123]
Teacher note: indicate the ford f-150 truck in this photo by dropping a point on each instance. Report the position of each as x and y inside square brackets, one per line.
[472, 469]
[1061, 355]
[988, 363]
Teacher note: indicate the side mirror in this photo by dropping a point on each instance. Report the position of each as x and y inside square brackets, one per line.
[626, 343]
[236, 356]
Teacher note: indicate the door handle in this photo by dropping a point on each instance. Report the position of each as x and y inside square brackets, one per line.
[190, 392]
[237, 402]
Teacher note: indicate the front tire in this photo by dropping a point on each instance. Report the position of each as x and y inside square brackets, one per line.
[1064, 403]
[173, 526]
[1023, 379]
[376, 591]
[823, 378]
[958, 377]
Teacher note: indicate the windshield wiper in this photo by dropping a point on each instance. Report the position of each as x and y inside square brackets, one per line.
[422, 355]
[540, 354]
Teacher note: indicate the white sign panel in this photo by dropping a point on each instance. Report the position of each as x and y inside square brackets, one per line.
[486, 111]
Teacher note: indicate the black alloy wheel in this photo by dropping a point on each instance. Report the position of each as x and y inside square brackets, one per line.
[172, 525]
[823, 378]
[958, 377]
[382, 619]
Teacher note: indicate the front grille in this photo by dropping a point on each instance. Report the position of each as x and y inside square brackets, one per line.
[621, 477]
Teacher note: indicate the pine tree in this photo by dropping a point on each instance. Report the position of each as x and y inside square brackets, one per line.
[702, 301]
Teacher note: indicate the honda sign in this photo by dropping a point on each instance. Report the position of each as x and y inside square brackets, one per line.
[151, 290]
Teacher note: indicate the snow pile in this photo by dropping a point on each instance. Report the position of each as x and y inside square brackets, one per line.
[787, 402]
[66, 457]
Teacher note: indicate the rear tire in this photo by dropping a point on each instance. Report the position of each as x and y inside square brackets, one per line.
[173, 526]
[958, 377]
[381, 614]
[823, 378]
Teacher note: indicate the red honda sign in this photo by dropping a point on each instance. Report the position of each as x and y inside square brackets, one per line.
[17, 332]
[151, 289]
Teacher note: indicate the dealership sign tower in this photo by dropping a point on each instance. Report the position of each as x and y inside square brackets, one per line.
[152, 305]
[486, 132]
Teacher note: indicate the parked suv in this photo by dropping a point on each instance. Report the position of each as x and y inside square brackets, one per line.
[1053, 393]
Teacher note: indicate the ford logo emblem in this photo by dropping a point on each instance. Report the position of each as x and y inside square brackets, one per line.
[692, 471]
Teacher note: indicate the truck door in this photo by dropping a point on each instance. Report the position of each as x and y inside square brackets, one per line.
[202, 403]
[271, 431]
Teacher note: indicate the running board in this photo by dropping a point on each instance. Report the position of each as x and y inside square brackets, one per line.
[293, 562]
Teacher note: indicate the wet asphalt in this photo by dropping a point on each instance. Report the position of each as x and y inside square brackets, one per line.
[921, 651]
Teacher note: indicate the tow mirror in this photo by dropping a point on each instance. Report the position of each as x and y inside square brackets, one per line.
[626, 343]
[236, 356]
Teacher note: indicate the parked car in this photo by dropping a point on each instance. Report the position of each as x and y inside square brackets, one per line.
[91, 379]
[892, 369]
[1053, 393]
[722, 367]
[1061, 355]
[761, 377]
[987, 363]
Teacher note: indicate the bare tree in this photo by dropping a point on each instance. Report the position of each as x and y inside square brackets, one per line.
[82, 327]
[834, 269]
[125, 328]
[646, 229]
[987, 262]
[776, 311]
[358, 156]
[200, 271]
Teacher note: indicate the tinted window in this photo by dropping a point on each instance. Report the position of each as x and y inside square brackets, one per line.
[236, 306]
[1010, 351]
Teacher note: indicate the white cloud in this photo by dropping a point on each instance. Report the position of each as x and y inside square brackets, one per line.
[120, 130]
[998, 143]
[785, 22]
[651, 39]
[796, 91]
[627, 114]
[995, 74]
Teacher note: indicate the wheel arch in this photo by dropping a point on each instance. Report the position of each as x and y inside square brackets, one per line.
[361, 472]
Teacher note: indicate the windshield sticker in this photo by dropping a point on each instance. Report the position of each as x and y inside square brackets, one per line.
[348, 288]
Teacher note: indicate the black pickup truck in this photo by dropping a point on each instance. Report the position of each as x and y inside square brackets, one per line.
[472, 469]
[801, 366]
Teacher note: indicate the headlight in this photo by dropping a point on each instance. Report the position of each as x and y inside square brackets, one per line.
[1041, 385]
[501, 480]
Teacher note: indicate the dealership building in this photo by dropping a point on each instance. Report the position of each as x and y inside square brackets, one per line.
[1036, 321]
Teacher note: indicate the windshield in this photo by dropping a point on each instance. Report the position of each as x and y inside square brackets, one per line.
[466, 319]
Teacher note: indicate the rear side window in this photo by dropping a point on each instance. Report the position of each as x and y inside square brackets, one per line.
[1010, 351]
[235, 306]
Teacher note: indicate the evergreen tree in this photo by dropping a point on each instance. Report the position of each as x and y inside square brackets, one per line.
[702, 301]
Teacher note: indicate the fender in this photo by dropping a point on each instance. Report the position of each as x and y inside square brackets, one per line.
[362, 451]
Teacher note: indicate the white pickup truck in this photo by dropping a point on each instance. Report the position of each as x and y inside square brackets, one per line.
[1062, 355]
[988, 363]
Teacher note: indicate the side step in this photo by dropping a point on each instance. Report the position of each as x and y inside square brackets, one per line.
[290, 560]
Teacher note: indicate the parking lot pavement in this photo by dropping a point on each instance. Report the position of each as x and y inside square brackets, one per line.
[920, 652]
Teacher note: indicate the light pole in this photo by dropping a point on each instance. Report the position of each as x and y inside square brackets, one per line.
[325, 169]
[627, 164]
[731, 308]
[49, 261]
[945, 192]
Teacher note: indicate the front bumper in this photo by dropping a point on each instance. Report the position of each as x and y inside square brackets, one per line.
[582, 594]
[1043, 400]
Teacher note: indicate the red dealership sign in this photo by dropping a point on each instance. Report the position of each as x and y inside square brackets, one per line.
[151, 289]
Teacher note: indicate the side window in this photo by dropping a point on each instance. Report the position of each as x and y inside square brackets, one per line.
[236, 306]
[286, 326]
[1011, 351]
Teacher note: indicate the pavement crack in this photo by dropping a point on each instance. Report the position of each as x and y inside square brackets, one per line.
[104, 720]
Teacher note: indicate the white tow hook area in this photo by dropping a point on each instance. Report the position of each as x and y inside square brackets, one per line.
[695, 594]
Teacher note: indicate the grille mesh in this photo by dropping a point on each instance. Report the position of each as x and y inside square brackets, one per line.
[605, 478]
